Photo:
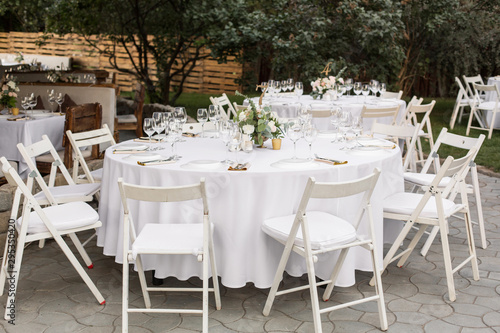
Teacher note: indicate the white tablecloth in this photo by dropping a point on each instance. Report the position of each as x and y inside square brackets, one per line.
[28, 132]
[240, 200]
[287, 107]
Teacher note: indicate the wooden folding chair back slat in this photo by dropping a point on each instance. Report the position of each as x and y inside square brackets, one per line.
[433, 209]
[35, 224]
[307, 243]
[179, 239]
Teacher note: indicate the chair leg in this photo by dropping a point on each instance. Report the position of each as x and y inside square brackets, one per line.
[205, 287]
[411, 246]
[447, 263]
[335, 273]
[472, 246]
[429, 241]
[379, 291]
[215, 279]
[142, 280]
[479, 206]
[81, 250]
[13, 279]
[420, 153]
[469, 123]
[125, 291]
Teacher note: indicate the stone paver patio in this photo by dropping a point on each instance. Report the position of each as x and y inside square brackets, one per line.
[53, 298]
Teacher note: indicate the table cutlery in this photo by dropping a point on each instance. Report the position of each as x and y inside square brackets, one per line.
[239, 167]
[328, 160]
[157, 161]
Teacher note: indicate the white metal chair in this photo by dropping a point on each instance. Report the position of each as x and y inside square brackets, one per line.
[432, 209]
[408, 135]
[87, 139]
[224, 101]
[50, 194]
[167, 239]
[424, 177]
[390, 94]
[423, 111]
[311, 233]
[463, 100]
[376, 112]
[480, 109]
[37, 223]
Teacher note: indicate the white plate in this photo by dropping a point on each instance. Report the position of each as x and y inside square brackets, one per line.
[203, 164]
[35, 112]
[295, 164]
[143, 157]
[131, 146]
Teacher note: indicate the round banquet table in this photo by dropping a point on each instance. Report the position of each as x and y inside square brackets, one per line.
[287, 107]
[490, 97]
[239, 201]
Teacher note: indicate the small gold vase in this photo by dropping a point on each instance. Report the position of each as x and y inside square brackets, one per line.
[14, 111]
[276, 144]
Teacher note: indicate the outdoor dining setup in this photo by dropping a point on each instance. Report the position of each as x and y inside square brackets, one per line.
[285, 182]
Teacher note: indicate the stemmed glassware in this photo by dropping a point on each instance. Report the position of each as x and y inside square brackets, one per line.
[174, 133]
[310, 135]
[374, 87]
[305, 114]
[284, 85]
[348, 85]
[226, 132]
[334, 120]
[148, 127]
[25, 105]
[51, 98]
[214, 116]
[59, 101]
[202, 117]
[276, 87]
[294, 133]
[357, 87]
[32, 103]
[289, 84]
[357, 127]
[158, 123]
[382, 89]
[270, 87]
[365, 90]
[345, 123]
[180, 116]
[299, 89]
[235, 141]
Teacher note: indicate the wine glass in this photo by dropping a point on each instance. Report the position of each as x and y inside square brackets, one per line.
[365, 90]
[59, 101]
[374, 87]
[305, 114]
[334, 120]
[214, 115]
[32, 102]
[148, 127]
[345, 123]
[173, 136]
[158, 123]
[289, 84]
[180, 116]
[270, 87]
[357, 127]
[51, 98]
[310, 135]
[348, 85]
[382, 89]
[294, 133]
[284, 85]
[202, 117]
[357, 87]
[235, 142]
[226, 131]
[299, 89]
[276, 87]
[25, 104]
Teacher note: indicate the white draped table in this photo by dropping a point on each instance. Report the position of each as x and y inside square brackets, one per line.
[28, 132]
[490, 97]
[287, 107]
[240, 200]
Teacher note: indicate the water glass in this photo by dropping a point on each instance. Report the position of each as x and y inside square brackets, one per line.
[148, 127]
[310, 135]
[202, 117]
[294, 133]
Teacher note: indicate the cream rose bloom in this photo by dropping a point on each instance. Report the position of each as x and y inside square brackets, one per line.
[248, 129]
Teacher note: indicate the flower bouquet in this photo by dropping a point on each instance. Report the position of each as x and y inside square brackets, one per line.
[8, 98]
[259, 124]
[324, 84]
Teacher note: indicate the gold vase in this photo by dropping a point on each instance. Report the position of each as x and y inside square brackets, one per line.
[276, 144]
[14, 111]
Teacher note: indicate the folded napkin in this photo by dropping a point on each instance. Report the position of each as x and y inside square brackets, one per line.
[328, 161]
[18, 118]
[239, 167]
[157, 162]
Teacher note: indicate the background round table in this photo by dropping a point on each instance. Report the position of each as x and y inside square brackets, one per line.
[239, 201]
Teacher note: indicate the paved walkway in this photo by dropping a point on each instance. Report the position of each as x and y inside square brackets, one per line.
[52, 297]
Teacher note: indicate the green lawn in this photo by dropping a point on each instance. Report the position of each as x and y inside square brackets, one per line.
[489, 155]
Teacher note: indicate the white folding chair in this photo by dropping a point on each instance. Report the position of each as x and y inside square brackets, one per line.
[463, 100]
[469, 82]
[414, 101]
[311, 233]
[390, 94]
[432, 209]
[37, 223]
[480, 109]
[408, 135]
[167, 239]
[224, 101]
[88, 139]
[414, 111]
[424, 177]
[195, 128]
[375, 112]
[51, 194]
[238, 107]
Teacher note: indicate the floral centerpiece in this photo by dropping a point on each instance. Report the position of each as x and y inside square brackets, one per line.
[323, 84]
[19, 57]
[259, 124]
[8, 98]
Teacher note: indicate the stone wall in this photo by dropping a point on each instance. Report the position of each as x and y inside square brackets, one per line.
[7, 195]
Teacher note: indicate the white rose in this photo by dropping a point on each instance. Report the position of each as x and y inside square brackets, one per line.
[248, 129]
[11, 84]
[242, 116]
[272, 126]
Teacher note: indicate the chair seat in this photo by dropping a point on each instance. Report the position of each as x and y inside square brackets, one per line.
[326, 230]
[487, 106]
[97, 174]
[63, 217]
[406, 203]
[169, 238]
[424, 179]
[126, 118]
[78, 190]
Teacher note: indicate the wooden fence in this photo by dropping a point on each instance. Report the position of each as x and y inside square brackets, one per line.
[207, 77]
